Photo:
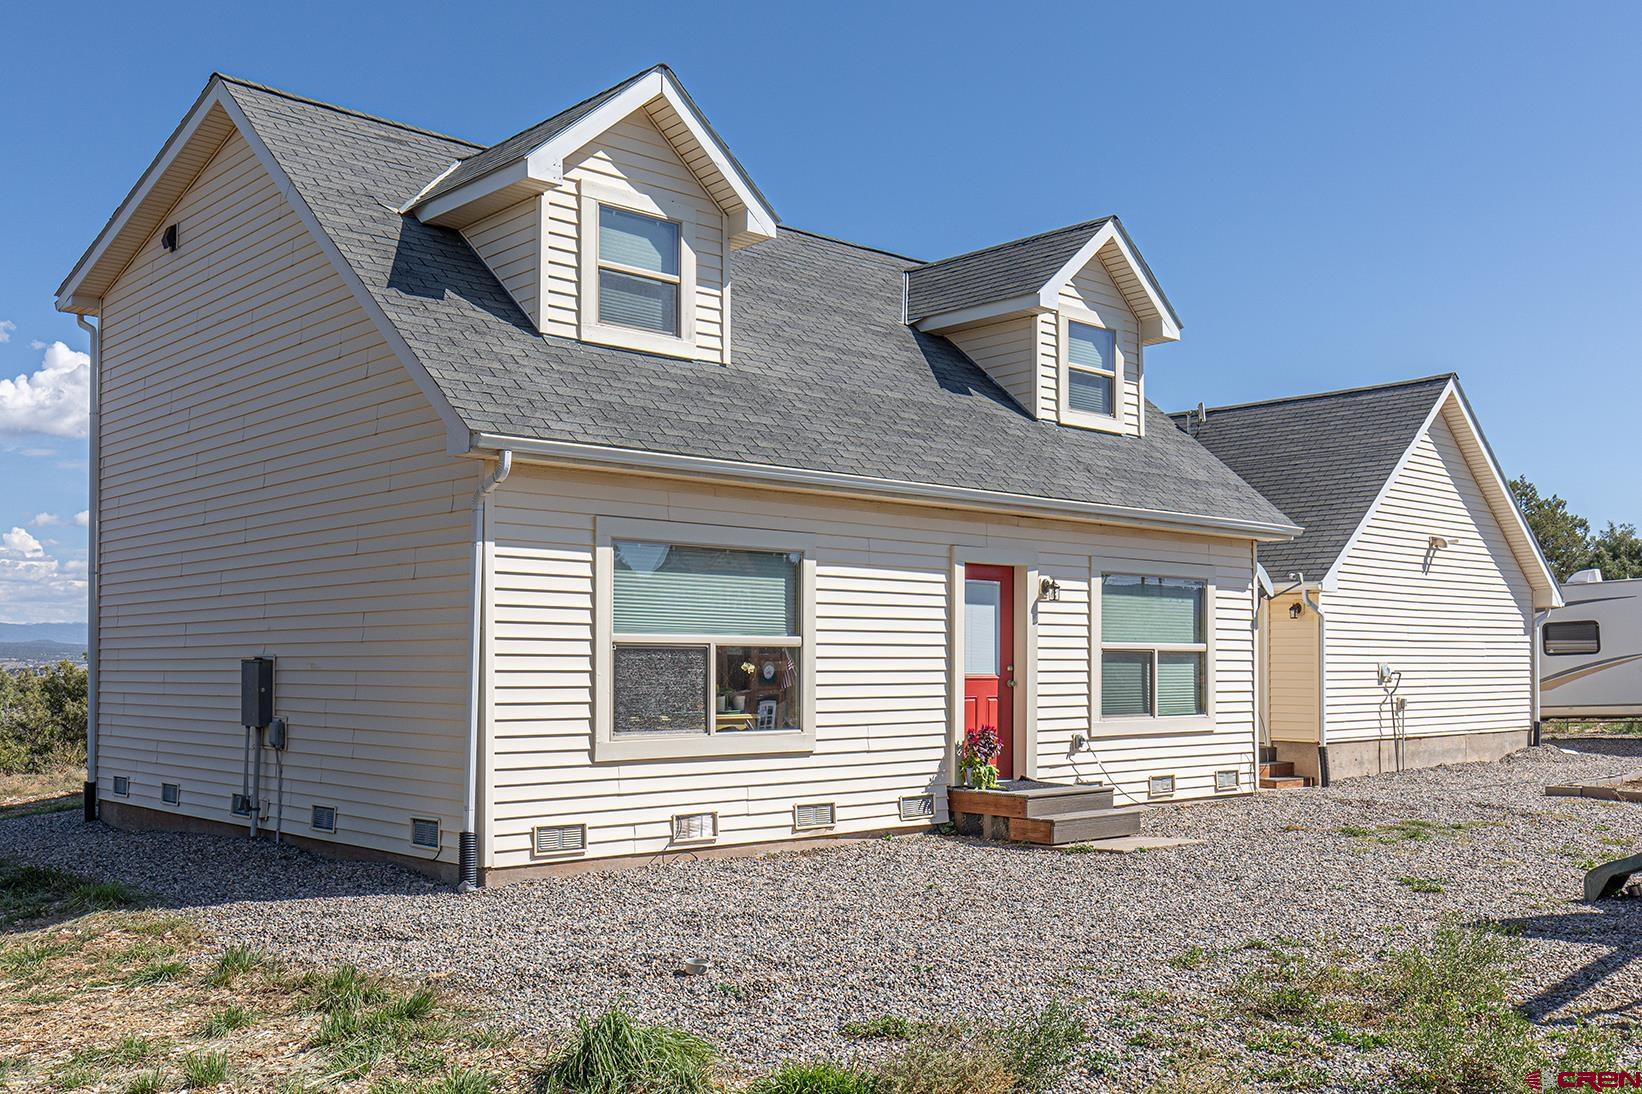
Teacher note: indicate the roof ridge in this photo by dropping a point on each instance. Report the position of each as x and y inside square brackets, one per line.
[623, 82]
[1096, 222]
[848, 243]
[1443, 376]
[294, 97]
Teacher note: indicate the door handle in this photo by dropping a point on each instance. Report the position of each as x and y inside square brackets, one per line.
[1010, 682]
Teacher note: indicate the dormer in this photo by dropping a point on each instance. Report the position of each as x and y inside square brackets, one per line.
[613, 221]
[1060, 320]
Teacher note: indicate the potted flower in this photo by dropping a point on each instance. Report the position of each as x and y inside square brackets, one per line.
[976, 756]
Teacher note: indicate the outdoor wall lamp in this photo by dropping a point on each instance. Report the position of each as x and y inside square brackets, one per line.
[1049, 589]
[1296, 610]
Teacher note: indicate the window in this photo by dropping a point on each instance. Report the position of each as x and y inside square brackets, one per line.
[705, 642]
[639, 271]
[1583, 636]
[1091, 370]
[1154, 647]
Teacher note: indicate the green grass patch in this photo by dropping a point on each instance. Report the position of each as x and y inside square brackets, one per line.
[1412, 830]
[233, 963]
[816, 1077]
[227, 1020]
[29, 893]
[1421, 884]
[887, 1027]
[156, 972]
[204, 1070]
[1192, 957]
[146, 1082]
[44, 805]
[613, 1054]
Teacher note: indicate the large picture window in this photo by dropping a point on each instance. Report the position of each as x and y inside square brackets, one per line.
[1154, 649]
[706, 641]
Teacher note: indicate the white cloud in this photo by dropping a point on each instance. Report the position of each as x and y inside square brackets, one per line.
[46, 520]
[55, 400]
[6, 327]
[83, 517]
[19, 544]
[41, 590]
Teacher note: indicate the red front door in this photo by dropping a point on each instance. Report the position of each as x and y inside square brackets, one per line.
[989, 657]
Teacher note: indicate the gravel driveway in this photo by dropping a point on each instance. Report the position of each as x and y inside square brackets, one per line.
[933, 926]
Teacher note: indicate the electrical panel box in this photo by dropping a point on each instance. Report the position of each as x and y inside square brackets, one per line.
[256, 691]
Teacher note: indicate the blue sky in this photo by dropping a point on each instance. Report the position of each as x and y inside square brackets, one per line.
[1332, 195]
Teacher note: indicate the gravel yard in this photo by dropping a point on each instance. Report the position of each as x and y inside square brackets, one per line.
[928, 926]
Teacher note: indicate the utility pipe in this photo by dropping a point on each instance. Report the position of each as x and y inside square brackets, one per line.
[468, 841]
[1534, 640]
[1322, 680]
[94, 332]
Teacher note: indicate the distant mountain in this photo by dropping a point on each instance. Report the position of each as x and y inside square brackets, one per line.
[72, 633]
[41, 651]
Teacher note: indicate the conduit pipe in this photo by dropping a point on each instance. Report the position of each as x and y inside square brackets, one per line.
[468, 841]
[94, 332]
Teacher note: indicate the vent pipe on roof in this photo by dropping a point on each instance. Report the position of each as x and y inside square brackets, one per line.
[96, 448]
[468, 840]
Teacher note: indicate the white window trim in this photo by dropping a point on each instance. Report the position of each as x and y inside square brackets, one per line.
[1152, 723]
[1025, 562]
[607, 746]
[589, 329]
[1116, 422]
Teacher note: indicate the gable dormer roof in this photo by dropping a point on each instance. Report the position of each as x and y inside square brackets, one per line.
[1027, 274]
[531, 161]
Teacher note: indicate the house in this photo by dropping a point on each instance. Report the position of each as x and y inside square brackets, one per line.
[586, 512]
[1400, 629]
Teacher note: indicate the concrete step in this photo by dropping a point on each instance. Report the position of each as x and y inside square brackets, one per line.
[1275, 770]
[1286, 782]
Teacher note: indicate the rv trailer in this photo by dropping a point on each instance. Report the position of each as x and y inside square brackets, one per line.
[1590, 664]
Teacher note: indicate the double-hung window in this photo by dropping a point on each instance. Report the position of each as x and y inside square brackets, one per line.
[639, 271]
[1091, 370]
[706, 648]
[1154, 651]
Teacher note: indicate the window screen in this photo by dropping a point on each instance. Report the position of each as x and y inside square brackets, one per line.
[1577, 636]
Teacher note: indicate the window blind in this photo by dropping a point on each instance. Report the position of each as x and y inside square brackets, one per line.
[1151, 610]
[981, 605]
[1125, 683]
[629, 301]
[1088, 392]
[1179, 683]
[704, 590]
[1091, 346]
[633, 239]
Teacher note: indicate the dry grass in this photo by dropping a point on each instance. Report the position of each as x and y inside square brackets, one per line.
[133, 999]
[41, 792]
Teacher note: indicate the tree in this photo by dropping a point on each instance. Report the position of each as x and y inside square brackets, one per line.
[1564, 537]
[1617, 552]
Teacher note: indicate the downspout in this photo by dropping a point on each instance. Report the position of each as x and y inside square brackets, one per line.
[1533, 662]
[1322, 684]
[94, 500]
[1255, 596]
[468, 842]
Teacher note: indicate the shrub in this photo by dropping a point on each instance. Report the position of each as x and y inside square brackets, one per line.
[615, 1055]
[1041, 1050]
[816, 1077]
[42, 718]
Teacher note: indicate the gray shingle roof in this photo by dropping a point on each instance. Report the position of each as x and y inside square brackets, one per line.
[1321, 458]
[826, 376]
[1006, 270]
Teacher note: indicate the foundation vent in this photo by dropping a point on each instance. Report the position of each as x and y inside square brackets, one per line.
[814, 815]
[1227, 780]
[695, 827]
[1160, 786]
[324, 819]
[122, 786]
[171, 793]
[425, 833]
[559, 839]
[918, 807]
[240, 805]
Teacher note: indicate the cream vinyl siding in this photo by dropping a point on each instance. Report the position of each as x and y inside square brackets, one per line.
[274, 484]
[510, 242]
[633, 157]
[1291, 670]
[1092, 290]
[1006, 351]
[882, 644]
[1459, 631]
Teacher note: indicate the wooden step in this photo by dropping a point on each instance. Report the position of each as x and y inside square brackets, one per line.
[1094, 824]
[1284, 782]
[1276, 770]
[1030, 800]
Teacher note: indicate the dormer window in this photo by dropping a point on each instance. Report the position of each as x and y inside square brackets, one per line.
[1091, 394]
[639, 266]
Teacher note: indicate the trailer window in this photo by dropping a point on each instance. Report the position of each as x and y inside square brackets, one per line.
[1581, 636]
